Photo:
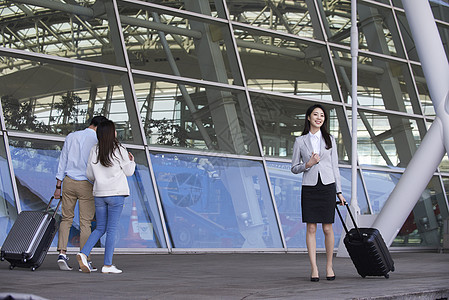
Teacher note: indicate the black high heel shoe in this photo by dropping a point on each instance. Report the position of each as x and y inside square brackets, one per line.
[314, 279]
[330, 278]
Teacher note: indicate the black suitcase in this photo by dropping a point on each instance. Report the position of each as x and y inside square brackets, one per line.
[30, 238]
[367, 249]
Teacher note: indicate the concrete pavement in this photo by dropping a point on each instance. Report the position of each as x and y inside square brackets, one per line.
[418, 275]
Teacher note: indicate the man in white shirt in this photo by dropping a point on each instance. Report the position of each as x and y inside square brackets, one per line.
[72, 171]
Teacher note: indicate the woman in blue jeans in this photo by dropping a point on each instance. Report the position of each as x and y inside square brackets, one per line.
[108, 166]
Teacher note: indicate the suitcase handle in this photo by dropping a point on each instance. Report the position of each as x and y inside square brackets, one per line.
[57, 206]
[350, 214]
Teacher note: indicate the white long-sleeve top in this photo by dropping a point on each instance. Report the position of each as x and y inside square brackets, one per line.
[110, 181]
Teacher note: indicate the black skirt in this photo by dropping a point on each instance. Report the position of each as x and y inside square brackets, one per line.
[318, 203]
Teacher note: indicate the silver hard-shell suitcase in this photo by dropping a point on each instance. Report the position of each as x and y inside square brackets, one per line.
[30, 238]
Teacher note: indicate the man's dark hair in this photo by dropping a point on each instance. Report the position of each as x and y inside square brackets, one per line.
[97, 120]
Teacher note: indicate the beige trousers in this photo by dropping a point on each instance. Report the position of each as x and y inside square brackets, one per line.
[73, 190]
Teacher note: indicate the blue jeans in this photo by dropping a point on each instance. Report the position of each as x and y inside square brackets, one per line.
[108, 211]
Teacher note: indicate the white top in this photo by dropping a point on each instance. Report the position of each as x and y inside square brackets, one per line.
[74, 154]
[110, 181]
[315, 139]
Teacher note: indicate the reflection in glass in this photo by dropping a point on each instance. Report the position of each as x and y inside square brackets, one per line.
[59, 99]
[362, 201]
[140, 222]
[8, 210]
[377, 34]
[56, 33]
[382, 84]
[423, 90]
[379, 186]
[288, 65]
[294, 15]
[280, 120]
[214, 202]
[287, 192]
[424, 226]
[196, 117]
[35, 164]
[179, 46]
[386, 140]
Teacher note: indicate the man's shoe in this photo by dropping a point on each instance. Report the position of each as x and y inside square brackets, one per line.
[112, 270]
[62, 263]
[84, 264]
[91, 267]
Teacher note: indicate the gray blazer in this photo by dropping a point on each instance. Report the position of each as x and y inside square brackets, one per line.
[327, 167]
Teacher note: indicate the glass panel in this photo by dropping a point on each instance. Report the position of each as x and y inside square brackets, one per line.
[140, 222]
[382, 84]
[424, 226]
[285, 16]
[444, 208]
[397, 3]
[424, 95]
[192, 48]
[196, 117]
[379, 186]
[214, 202]
[8, 209]
[407, 38]
[444, 165]
[289, 66]
[444, 33]
[386, 140]
[58, 99]
[377, 29]
[440, 10]
[280, 120]
[210, 8]
[56, 33]
[362, 201]
[287, 191]
[35, 165]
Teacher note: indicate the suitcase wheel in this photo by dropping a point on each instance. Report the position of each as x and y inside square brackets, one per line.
[387, 276]
[392, 269]
[11, 267]
[33, 268]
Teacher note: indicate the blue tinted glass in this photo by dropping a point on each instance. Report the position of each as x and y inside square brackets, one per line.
[346, 189]
[35, 164]
[215, 202]
[8, 210]
[379, 186]
[287, 191]
[140, 223]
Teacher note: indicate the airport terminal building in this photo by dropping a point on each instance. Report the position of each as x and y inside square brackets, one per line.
[209, 96]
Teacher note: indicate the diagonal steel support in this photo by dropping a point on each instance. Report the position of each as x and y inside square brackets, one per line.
[436, 142]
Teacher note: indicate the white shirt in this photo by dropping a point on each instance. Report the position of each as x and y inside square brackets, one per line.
[315, 139]
[110, 181]
[74, 154]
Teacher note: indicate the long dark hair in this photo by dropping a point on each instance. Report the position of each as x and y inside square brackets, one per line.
[323, 127]
[107, 142]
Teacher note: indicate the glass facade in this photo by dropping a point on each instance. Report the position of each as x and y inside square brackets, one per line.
[209, 97]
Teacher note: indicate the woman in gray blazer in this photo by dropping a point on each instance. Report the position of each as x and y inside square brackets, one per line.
[315, 155]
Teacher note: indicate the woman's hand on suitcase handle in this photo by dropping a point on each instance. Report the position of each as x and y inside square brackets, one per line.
[342, 199]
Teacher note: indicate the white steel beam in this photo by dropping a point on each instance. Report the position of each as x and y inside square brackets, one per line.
[436, 142]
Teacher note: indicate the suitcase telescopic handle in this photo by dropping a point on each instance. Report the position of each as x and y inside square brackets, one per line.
[350, 214]
[57, 206]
